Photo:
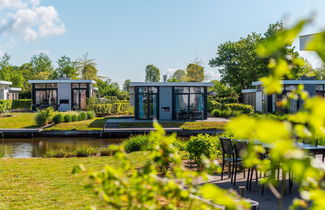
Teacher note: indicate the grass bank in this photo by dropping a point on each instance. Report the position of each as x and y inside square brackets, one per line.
[48, 183]
[18, 120]
[93, 124]
[26, 120]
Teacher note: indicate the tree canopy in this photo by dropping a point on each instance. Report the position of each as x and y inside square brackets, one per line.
[88, 68]
[67, 67]
[240, 65]
[194, 73]
[178, 76]
[126, 85]
[152, 73]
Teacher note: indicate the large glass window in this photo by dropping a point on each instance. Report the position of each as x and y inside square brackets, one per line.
[46, 94]
[320, 90]
[189, 102]
[147, 102]
[79, 97]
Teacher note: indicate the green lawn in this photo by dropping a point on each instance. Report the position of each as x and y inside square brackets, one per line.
[203, 125]
[94, 124]
[18, 120]
[26, 120]
[43, 183]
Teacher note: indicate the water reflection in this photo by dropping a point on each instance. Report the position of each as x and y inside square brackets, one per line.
[37, 147]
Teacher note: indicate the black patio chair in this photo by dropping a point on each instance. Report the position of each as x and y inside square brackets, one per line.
[227, 156]
[240, 147]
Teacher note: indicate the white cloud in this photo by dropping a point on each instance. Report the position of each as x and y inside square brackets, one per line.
[31, 22]
[12, 4]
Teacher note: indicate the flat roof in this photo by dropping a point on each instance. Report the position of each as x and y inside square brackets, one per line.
[170, 84]
[297, 82]
[249, 91]
[14, 89]
[5, 83]
[61, 81]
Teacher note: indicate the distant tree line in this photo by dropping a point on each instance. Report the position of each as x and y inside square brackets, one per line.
[194, 72]
[40, 67]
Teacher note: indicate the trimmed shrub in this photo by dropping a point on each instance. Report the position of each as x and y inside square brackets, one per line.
[85, 151]
[90, 115]
[203, 144]
[74, 118]
[105, 151]
[136, 143]
[67, 118]
[5, 105]
[216, 113]
[212, 104]
[225, 113]
[44, 117]
[228, 100]
[82, 116]
[58, 118]
[244, 108]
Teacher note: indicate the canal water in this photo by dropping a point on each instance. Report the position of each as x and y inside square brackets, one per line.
[37, 147]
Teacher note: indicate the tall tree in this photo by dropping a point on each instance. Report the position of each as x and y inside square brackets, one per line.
[42, 67]
[320, 72]
[67, 67]
[152, 73]
[107, 87]
[178, 76]
[126, 85]
[88, 68]
[239, 64]
[195, 73]
[10, 73]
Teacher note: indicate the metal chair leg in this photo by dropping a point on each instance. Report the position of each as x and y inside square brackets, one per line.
[235, 171]
[222, 169]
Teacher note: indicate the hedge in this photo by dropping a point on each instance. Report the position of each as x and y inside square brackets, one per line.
[22, 104]
[7, 105]
[244, 108]
[114, 108]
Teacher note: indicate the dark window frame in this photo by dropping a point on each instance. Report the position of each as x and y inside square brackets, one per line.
[148, 93]
[79, 88]
[189, 93]
[48, 86]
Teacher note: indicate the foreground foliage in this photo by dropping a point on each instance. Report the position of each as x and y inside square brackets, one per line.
[160, 184]
[281, 136]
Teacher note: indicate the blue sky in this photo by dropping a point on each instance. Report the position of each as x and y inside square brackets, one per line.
[126, 35]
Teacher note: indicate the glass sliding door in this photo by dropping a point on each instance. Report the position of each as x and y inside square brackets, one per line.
[83, 99]
[147, 103]
[79, 96]
[45, 95]
[76, 104]
[189, 103]
[152, 106]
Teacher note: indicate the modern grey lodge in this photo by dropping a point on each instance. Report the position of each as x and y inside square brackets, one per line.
[169, 100]
[268, 103]
[62, 94]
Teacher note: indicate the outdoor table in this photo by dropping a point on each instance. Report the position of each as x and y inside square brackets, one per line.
[314, 149]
